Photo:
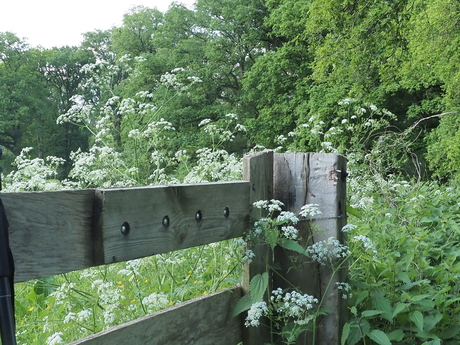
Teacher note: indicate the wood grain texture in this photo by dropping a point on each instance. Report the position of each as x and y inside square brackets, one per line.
[50, 232]
[315, 178]
[327, 188]
[258, 170]
[204, 321]
[145, 208]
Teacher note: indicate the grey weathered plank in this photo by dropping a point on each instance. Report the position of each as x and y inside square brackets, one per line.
[314, 178]
[50, 232]
[258, 170]
[327, 187]
[205, 320]
[145, 208]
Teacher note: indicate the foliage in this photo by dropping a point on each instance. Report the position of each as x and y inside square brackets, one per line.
[403, 282]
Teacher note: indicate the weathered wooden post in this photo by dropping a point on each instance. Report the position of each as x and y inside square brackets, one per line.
[314, 178]
[258, 170]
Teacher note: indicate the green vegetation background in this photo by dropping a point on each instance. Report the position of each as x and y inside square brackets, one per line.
[182, 95]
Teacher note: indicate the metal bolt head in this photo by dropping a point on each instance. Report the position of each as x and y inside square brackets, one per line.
[198, 216]
[165, 221]
[226, 212]
[125, 228]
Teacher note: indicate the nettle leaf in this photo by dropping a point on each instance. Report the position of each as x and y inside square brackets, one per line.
[396, 335]
[345, 333]
[293, 245]
[430, 321]
[383, 304]
[379, 337]
[362, 295]
[369, 313]
[417, 318]
[243, 304]
[257, 287]
[399, 307]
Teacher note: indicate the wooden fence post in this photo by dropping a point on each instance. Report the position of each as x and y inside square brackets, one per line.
[258, 170]
[314, 178]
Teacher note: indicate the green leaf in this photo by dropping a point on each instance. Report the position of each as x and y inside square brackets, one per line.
[450, 332]
[399, 308]
[396, 335]
[379, 337]
[417, 318]
[345, 333]
[257, 287]
[369, 313]
[293, 245]
[362, 295]
[354, 212]
[242, 305]
[383, 304]
[431, 321]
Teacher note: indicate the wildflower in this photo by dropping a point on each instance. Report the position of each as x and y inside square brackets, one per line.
[248, 256]
[287, 217]
[204, 122]
[290, 232]
[309, 211]
[366, 241]
[348, 227]
[256, 311]
[55, 339]
[327, 251]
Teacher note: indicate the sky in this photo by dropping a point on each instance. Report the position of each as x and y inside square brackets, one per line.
[57, 23]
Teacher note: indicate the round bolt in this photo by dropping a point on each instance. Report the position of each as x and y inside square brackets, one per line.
[226, 212]
[198, 216]
[125, 228]
[165, 221]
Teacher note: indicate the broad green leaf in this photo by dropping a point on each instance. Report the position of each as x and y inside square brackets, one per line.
[354, 211]
[417, 318]
[399, 308]
[396, 335]
[430, 321]
[345, 333]
[450, 332]
[257, 287]
[362, 295]
[242, 305]
[379, 337]
[369, 313]
[383, 304]
[293, 245]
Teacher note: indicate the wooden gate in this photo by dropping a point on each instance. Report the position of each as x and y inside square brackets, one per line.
[59, 232]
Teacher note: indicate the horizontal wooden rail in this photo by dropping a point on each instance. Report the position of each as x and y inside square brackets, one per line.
[58, 232]
[205, 320]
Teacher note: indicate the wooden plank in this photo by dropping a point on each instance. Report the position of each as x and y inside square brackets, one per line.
[327, 188]
[291, 174]
[258, 170]
[205, 320]
[311, 178]
[50, 232]
[145, 209]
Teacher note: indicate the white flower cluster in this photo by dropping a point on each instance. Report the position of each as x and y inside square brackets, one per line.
[290, 232]
[55, 339]
[366, 241]
[349, 227]
[309, 211]
[155, 301]
[344, 288]
[327, 251]
[248, 256]
[292, 304]
[256, 311]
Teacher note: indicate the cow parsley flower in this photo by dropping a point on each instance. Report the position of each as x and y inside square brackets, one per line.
[256, 311]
